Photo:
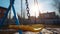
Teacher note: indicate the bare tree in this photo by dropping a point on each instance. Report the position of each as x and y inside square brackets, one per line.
[57, 4]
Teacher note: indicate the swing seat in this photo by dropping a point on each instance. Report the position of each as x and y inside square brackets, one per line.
[32, 28]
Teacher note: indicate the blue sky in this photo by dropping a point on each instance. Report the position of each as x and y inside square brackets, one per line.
[44, 6]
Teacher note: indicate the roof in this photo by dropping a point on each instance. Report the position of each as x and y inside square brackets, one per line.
[48, 13]
[3, 8]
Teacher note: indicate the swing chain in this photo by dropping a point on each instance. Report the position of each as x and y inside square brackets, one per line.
[27, 8]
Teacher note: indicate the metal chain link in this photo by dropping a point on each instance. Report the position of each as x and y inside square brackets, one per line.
[27, 8]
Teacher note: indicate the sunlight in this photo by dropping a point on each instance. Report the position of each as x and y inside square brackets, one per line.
[34, 10]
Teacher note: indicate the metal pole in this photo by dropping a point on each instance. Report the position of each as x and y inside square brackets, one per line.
[21, 8]
[35, 18]
[21, 13]
[17, 21]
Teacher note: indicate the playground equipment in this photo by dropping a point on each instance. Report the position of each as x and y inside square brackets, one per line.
[32, 28]
[20, 28]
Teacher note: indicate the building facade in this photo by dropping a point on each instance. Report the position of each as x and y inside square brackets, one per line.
[48, 15]
[2, 11]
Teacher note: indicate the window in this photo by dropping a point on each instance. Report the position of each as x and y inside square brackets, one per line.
[0, 11]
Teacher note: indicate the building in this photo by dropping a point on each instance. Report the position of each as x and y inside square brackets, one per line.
[48, 15]
[49, 18]
[2, 11]
[32, 18]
